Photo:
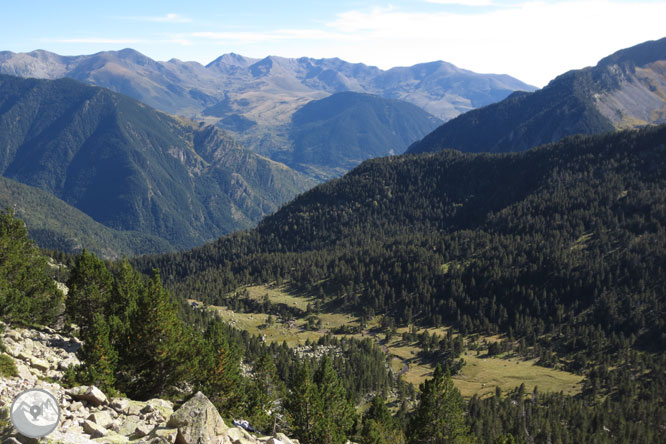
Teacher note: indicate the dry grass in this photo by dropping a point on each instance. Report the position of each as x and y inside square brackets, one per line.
[479, 376]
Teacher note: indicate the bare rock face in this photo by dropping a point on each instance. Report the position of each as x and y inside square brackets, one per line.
[198, 422]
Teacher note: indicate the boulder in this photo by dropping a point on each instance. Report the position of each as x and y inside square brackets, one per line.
[160, 435]
[238, 434]
[88, 393]
[284, 438]
[142, 429]
[128, 424]
[39, 364]
[274, 441]
[112, 438]
[102, 418]
[94, 430]
[165, 408]
[198, 422]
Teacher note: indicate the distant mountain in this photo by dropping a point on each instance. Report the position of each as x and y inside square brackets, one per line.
[338, 132]
[130, 167]
[625, 90]
[55, 225]
[256, 98]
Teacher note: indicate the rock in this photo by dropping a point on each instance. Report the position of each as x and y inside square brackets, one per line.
[165, 408]
[128, 424]
[112, 438]
[198, 421]
[274, 441]
[94, 430]
[120, 405]
[239, 434]
[102, 418]
[284, 438]
[77, 392]
[161, 435]
[39, 364]
[142, 430]
[91, 394]
[15, 335]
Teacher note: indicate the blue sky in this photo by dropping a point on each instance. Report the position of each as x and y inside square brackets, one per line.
[531, 40]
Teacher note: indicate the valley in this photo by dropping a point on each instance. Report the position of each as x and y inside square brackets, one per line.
[480, 375]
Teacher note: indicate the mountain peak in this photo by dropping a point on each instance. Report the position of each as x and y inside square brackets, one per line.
[639, 55]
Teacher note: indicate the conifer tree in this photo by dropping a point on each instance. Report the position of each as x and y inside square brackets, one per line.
[98, 355]
[90, 284]
[27, 290]
[219, 372]
[265, 391]
[159, 347]
[438, 419]
[302, 405]
[379, 427]
[335, 415]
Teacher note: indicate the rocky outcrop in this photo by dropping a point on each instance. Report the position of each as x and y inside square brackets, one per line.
[88, 416]
[198, 422]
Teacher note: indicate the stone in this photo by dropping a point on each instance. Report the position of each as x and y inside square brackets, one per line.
[102, 418]
[198, 421]
[284, 438]
[112, 438]
[165, 408]
[94, 430]
[239, 434]
[161, 435]
[120, 405]
[274, 441]
[142, 429]
[39, 364]
[128, 424]
[90, 394]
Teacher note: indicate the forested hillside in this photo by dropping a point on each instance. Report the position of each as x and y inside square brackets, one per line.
[560, 249]
[130, 167]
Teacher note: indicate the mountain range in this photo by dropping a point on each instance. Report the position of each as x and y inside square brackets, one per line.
[133, 168]
[624, 90]
[255, 100]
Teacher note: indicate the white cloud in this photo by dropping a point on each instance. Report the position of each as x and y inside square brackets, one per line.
[168, 18]
[534, 41]
[463, 2]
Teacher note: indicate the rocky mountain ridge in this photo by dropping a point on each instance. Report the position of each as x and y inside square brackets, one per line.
[623, 91]
[88, 416]
[248, 85]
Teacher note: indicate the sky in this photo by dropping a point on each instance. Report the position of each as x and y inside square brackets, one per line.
[533, 41]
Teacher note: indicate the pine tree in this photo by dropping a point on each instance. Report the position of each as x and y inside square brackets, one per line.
[379, 427]
[302, 405]
[90, 284]
[265, 391]
[159, 349]
[335, 413]
[98, 356]
[438, 419]
[27, 290]
[219, 372]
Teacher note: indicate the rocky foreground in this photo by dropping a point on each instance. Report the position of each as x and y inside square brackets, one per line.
[88, 416]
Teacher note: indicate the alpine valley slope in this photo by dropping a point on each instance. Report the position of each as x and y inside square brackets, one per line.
[335, 134]
[55, 225]
[559, 249]
[624, 90]
[131, 167]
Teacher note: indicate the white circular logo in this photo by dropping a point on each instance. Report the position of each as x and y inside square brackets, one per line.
[35, 413]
